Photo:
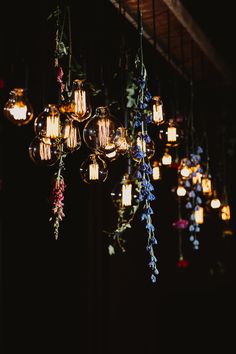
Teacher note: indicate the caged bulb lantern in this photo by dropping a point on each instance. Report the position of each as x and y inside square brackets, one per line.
[101, 130]
[93, 170]
[18, 109]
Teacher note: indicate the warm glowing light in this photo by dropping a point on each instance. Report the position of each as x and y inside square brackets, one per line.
[104, 133]
[171, 134]
[93, 171]
[166, 159]
[206, 186]
[156, 173]
[127, 194]
[225, 212]
[80, 102]
[197, 179]
[199, 215]
[215, 203]
[181, 191]
[111, 155]
[45, 149]
[71, 136]
[52, 126]
[157, 111]
[185, 171]
[141, 143]
[18, 111]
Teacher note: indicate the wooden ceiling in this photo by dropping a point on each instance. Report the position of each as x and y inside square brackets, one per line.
[169, 27]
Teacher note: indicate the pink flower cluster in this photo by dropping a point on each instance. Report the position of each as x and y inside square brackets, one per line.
[57, 198]
[59, 77]
[180, 224]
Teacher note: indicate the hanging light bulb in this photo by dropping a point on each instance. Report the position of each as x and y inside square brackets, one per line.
[147, 148]
[199, 215]
[125, 193]
[43, 151]
[206, 186]
[50, 123]
[196, 175]
[215, 203]
[72, 136]
[156, 171]
[122, 140]
[166, 158]
[81, 102]
[225, 212]
[171, 134]
[157, 111]
[101, 131]
[181, 191]
[18, 109]
[94, 169]
[184, 170]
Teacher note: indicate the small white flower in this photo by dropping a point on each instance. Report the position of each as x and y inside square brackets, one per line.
[111, 250]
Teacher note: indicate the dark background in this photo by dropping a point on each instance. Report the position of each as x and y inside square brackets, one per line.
[70, 295]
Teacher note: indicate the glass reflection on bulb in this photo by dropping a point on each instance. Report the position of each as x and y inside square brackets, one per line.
[18, 109]
[94, 169]
[101, 131]
[43, 151]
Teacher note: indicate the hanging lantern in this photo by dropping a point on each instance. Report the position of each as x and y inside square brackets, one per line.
[206, 186]
[157, 111]
[94, 170]
[166, 159]
[199, 215]
[101, 131]
[171, 134]
[181, 191]
[44, 152]
[18, 109]
[225, 212]
[156, 171]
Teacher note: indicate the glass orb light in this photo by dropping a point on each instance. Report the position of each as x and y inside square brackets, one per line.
[122, 140]
[206, 185]
[157, 111]
[93, 169]
[215, 203]
[50, 123]
[181, 191]
[225, 212]
[72, 135]
[82, 109]
[101, 131]
[43, 151]
[166, 159]
[170, 134]
[199, 215]
[147, 148]
[125, 193]
[184, 170]
[156, 171]
[18, 109]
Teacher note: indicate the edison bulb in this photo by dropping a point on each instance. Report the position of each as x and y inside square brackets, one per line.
[157, 111]
[199, 215]
[147, 149]
[206, 185]
[82, 109]
[171, 134]
[50, 123]
[101, 131]
[122, 140]
[18, 109]
[125, 194]
[184, 169]
[225, 212]
[156, 171]
[43, 151]
[72, 136]
[181, 191]
[215, 203]
[94, 169]
[166, 159]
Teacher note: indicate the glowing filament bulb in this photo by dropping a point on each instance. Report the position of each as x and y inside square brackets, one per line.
[199, 215]
[141, 143]
[157, 111]
[185, 171]
[215, 203]
[206, 186]
[52, 127]
[45, 149]
[181, 191]
[71, 136]
[80, 102]
[156, 173]
[93, 170]
[171, 134]
[197, 179]
[126, 194]
[166, 159]
[103, 132]
[225, 212]
[18, 111]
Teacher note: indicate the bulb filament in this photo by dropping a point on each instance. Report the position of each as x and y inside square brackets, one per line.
[52, 127]
[127, 194]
